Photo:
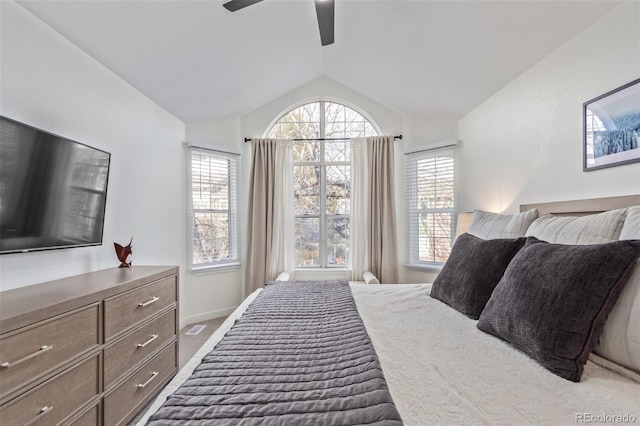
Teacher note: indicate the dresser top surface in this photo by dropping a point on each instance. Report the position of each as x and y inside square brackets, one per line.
[26, 305]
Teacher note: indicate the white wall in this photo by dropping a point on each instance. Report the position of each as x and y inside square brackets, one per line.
[524, 144]
[49, 83]
[422, 132]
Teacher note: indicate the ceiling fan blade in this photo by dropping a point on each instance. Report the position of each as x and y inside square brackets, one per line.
[325, 10]
[234, 5]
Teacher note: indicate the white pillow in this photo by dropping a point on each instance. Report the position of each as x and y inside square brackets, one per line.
[593, 229]
[369, 278]
[620, 338]
[489, 226]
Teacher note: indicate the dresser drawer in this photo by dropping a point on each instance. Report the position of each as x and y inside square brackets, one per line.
[26, 354]
[127, 352]
[57, 398]
[126, 310]
[120, 403]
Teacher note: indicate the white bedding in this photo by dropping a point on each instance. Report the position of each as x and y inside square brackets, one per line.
[442, 370]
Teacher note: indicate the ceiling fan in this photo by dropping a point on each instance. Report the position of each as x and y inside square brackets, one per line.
[324, 11]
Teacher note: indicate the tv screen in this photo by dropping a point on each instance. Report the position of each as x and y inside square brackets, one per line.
[53, 190]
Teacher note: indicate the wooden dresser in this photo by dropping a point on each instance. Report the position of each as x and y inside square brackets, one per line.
[90, 349]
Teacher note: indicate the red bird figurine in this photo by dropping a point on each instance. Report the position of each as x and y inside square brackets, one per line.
[123, 253]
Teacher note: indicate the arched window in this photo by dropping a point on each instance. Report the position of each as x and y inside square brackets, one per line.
[322, 178]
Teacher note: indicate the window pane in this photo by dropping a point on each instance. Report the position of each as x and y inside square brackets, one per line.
[210, 237]
[299, 130]
[307, 244]
[355, 129]
[338, 185]
[435, 183]
[344, 122]
[306, 151]
[335, 129]
[306, 189]
[434, 236]
[310, 112]
[337, 240]
[334, 112]
[300, 123]
[210, 182]
[337, 151]
[211, 195]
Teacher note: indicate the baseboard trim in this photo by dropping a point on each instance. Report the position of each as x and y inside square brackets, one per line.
[205, 316]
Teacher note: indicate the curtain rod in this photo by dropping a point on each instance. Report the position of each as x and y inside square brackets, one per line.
[322, 139]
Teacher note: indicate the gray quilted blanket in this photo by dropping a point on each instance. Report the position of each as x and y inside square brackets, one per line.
[300, 355]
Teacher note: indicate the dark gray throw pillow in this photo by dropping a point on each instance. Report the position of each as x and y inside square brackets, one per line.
[553, 300]
[472, 271]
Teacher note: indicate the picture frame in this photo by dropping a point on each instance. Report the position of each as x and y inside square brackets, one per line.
[611, 128]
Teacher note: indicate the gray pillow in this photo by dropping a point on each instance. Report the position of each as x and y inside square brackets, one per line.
[472, 271]
[553, 300]
[489, 225]
[592, 229]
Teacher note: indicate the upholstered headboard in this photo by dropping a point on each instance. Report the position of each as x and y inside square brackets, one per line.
[583, 207]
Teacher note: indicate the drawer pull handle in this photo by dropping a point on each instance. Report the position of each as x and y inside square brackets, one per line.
[44, 410]
[153, 376]
[151, 339]
[40, 351]
[148, 302]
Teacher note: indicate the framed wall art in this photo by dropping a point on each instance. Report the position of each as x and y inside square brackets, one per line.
[612, 128]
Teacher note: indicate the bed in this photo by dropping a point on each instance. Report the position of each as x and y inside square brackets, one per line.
[440, 368]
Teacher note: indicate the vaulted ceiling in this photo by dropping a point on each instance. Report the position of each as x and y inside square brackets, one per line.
[424, 58]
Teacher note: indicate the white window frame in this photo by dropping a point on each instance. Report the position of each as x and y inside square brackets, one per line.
[323, 216]
[232, 159]
[413, 211]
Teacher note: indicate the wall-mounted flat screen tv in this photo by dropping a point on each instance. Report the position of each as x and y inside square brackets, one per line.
[53, 190]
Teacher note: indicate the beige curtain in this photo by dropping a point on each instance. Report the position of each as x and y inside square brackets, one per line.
[270, 213]
[373, 244]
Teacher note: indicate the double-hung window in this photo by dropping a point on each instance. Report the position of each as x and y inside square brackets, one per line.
[430, 197]
[321, 178]
[213, 208]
